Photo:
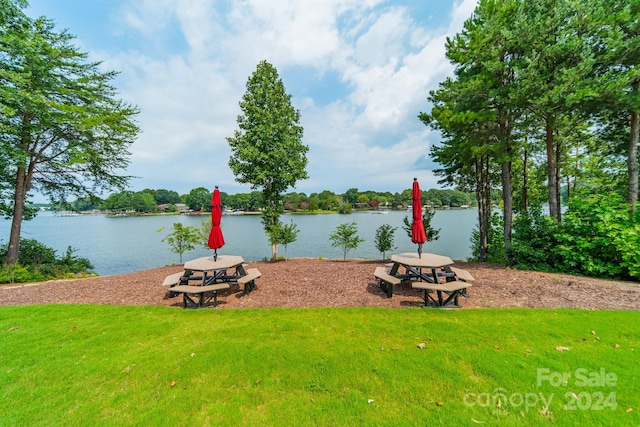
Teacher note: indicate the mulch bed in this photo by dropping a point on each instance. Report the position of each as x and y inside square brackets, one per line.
[306, 282]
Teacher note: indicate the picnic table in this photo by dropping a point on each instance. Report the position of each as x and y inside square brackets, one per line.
[202, 278]
[427, 272]
[210, 270]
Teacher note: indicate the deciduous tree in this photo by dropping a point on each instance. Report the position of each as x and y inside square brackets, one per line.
[183, 238]
[345, 236]
[199, 199]
[384, 239]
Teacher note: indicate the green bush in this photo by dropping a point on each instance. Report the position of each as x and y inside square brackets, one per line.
[16, 273]
[34, 253]
[73, 263]
[534, 241]
[37, 262]
[600, 237]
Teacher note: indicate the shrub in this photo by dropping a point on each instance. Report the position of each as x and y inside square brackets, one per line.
[600, 237]
[16, 273]
[34, 253]
[534, 241]
[37, 262]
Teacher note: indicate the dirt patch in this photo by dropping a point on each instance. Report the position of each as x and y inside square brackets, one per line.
[303, 282]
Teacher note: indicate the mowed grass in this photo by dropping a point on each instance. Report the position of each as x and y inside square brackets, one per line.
[103, 365]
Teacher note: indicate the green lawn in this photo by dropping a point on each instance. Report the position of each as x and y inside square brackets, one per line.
[101, 365]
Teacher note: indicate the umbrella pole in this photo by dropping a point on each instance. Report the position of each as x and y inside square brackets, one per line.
[215, 254]
[420, 250]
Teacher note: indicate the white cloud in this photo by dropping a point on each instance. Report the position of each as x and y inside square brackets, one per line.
[462, 10]
[367, 138]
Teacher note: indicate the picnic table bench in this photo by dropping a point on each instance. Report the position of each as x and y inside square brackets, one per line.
[386, 281]
[248, 280]
[453, 290]
[455, 286]
[202, 292]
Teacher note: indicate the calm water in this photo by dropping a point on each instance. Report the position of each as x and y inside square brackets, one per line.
[127, 244]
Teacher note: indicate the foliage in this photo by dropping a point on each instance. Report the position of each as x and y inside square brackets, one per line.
[283, 235]
[73, 263]
[495, 249]
[84, 204]
[203, 232]
[346, 237]
[17, 273]
[130, 201]
[345, 208]
[243, 201]
[35, 253]
[599, 237]
[199, 199]
[427, 216]
[164, 197]
[293, 201]
[38, 262]
[267, 149]
[384, 239]
[183, 238]
[534, 241]
[541, 99]
[64, 132]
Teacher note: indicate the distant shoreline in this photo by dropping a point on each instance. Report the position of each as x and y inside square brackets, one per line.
[200, 213]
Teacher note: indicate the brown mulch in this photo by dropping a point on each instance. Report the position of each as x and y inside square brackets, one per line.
[303, 282]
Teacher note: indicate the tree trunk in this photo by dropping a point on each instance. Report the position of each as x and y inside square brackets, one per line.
[632, 160]
[558, 154]
[483, 196]
[507, 198]
[13, 250]
[551, 170]
[525, 180]
[274, 252]
[23, 183]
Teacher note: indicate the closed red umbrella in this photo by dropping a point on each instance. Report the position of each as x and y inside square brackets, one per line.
[216, 240]
[417, 227]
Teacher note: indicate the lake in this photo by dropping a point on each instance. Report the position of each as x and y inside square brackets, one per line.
[127, 244]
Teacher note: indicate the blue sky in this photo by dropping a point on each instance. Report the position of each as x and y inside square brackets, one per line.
[359, 71]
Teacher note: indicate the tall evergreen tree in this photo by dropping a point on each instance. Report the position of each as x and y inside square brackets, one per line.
[615, 31]
[554, 77]
[267, 149]
[62, 129]
[477, 111]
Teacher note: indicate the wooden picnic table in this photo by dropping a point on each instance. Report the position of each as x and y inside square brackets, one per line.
[427, 272]
[204, 277]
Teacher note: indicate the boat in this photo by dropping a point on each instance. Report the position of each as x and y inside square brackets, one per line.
[66, 213]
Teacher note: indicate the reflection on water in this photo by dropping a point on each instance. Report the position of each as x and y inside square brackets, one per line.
[123, 245]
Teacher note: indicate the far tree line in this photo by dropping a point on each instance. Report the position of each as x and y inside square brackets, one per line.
[199, 199]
